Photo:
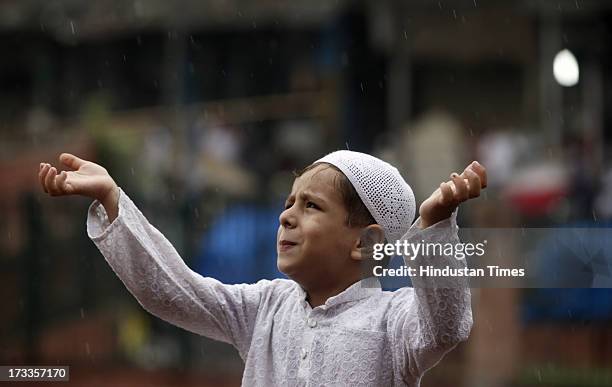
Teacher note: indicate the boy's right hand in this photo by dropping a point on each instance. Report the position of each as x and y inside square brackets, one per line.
[85, 178]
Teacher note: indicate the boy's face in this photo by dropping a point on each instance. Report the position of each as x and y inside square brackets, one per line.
[314, 240]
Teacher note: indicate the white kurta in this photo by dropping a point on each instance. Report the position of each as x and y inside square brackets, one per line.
[362, 337]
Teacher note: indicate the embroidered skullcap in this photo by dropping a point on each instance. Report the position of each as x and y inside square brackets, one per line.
[381, 188]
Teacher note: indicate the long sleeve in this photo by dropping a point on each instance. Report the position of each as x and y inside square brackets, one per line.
[164, 285]
[435, 315]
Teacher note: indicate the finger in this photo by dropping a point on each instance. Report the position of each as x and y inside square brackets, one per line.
[71, 161]
[50, 181]
[481, 171]
[447, 197]
[42, 174]
[60, 182]
[473, 183]
[461, 188]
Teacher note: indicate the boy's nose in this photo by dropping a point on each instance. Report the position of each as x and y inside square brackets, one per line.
[287, 219]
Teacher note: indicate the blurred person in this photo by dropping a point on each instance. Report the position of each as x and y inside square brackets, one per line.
[221, 251]
[436, 132]
[502, 151]
[330, 323]
[603, 200]
[219, 141]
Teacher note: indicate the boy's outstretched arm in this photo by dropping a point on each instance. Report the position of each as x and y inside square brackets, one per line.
[148, 264]
[438, 315]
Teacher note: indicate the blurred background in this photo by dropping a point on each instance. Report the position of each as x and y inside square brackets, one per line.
[201, 110]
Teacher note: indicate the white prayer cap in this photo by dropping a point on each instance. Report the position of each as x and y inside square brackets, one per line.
[381, 188]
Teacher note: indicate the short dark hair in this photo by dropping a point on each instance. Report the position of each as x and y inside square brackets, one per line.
[358, 214]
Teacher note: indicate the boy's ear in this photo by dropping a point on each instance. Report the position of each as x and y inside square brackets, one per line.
[363, 248]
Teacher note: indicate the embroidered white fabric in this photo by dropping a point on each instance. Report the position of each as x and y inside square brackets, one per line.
[362, 337]
[387, 196]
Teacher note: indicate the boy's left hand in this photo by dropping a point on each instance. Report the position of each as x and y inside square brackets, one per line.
[443, 201]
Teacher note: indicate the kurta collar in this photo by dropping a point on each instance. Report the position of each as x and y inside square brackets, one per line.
[365, 288]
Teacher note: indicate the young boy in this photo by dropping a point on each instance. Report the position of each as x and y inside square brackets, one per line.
[328, 325]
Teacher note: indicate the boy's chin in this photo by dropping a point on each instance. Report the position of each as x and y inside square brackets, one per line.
[286, 265]
[281, 264]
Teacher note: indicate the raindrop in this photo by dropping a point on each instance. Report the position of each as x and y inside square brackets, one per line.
[196, 212]
[82, 313]
[132, 171]
[594, 216]
[361, 85]
[124, 58]
[405, 35]
[72, 27]
[475, 5]
[87, 350]
[471, 132]
[440, 4]
[454, 14]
